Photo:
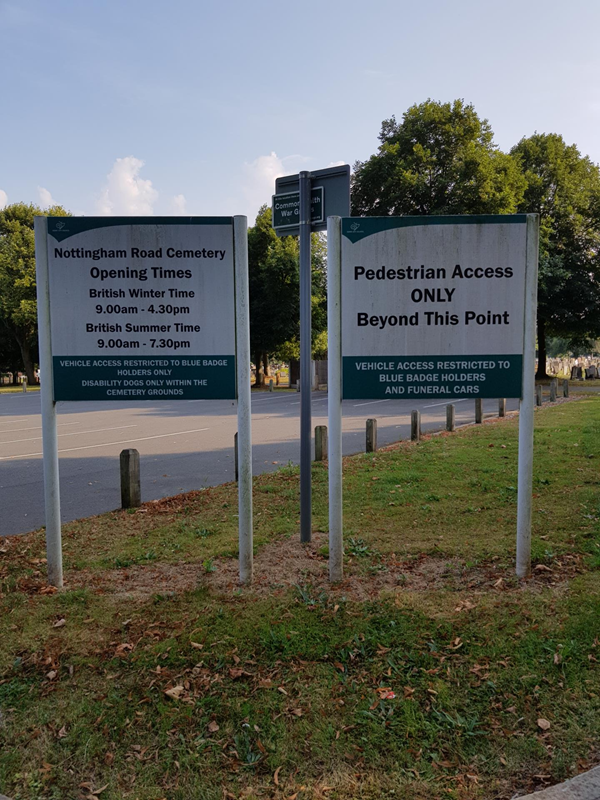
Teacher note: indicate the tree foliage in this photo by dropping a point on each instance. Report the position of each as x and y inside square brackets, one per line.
[440, 159]
[274, 281]
[18, 305]
[563, 187]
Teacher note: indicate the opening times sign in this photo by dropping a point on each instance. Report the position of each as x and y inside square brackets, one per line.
[142, 308]
[433, 307]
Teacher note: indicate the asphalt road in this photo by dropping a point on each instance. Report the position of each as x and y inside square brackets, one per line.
[183, 445]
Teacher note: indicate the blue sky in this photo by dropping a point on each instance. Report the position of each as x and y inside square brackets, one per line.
[141, 107]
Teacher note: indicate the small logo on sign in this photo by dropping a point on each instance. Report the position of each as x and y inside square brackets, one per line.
[60, 226]
[355, 226]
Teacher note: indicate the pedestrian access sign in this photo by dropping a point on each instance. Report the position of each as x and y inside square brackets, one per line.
[433, 307]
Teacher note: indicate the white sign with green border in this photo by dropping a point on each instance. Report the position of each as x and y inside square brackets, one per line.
[142, 308]
[432, 307]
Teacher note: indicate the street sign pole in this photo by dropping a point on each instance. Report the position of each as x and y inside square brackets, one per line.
[334, 390]
[49, 426]
[301, 204]
[242, 362]
[525, 469]
[305, 359]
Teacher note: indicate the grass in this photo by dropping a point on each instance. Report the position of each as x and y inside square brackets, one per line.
[430, 672]
[17, 389]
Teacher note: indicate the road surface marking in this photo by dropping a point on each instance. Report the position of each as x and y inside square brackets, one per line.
[36, 428]
[107, 444]
[372, 402]
[74, 433]
[433, 405]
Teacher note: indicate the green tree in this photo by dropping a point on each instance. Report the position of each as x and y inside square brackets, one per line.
[10, 354]
[563, 187]
[440, 159]
[18, 304]
[274, 282]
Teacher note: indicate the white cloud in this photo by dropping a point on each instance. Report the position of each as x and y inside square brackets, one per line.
[178, 205]
[125, 192]
[259, 182]
[3, 199]
[46, 198]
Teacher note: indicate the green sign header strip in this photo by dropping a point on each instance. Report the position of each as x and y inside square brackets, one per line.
[62, 228]
[357, 228]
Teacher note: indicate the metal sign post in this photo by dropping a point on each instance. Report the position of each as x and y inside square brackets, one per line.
[432, 306]
[301, 205]
[49, 429]
[305, 361]
[148, 308]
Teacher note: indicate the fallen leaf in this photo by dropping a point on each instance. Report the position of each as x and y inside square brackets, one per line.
[52, 674]
[62, 732]
[543, 724]
[213, 727]
[276, 776]
[123, 649]
[197, 645]
[175, 692]
[60, 623]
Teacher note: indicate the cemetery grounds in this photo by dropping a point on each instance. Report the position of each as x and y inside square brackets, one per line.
[429, 672]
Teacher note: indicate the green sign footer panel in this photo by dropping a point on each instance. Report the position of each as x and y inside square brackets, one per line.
[425, 377]
[144, 377]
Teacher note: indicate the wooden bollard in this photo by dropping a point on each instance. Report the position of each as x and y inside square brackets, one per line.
[321, 443]
[450, 417]
[131, 492]
[371, 442]
[415, 426]
[502, 407]
[478, 411]
[553, 383]
[538, 395]
[25, 384]
[565, 388]
[235, 457]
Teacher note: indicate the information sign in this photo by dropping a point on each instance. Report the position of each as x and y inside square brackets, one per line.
[428, 308]
[286, 208]
[142, 308]
[433, 307]
[334, 183]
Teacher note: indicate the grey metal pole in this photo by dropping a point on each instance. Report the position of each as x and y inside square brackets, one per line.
[334, 400]
[242, 363]
[525, 468]
[49, 433]
[305, 353]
